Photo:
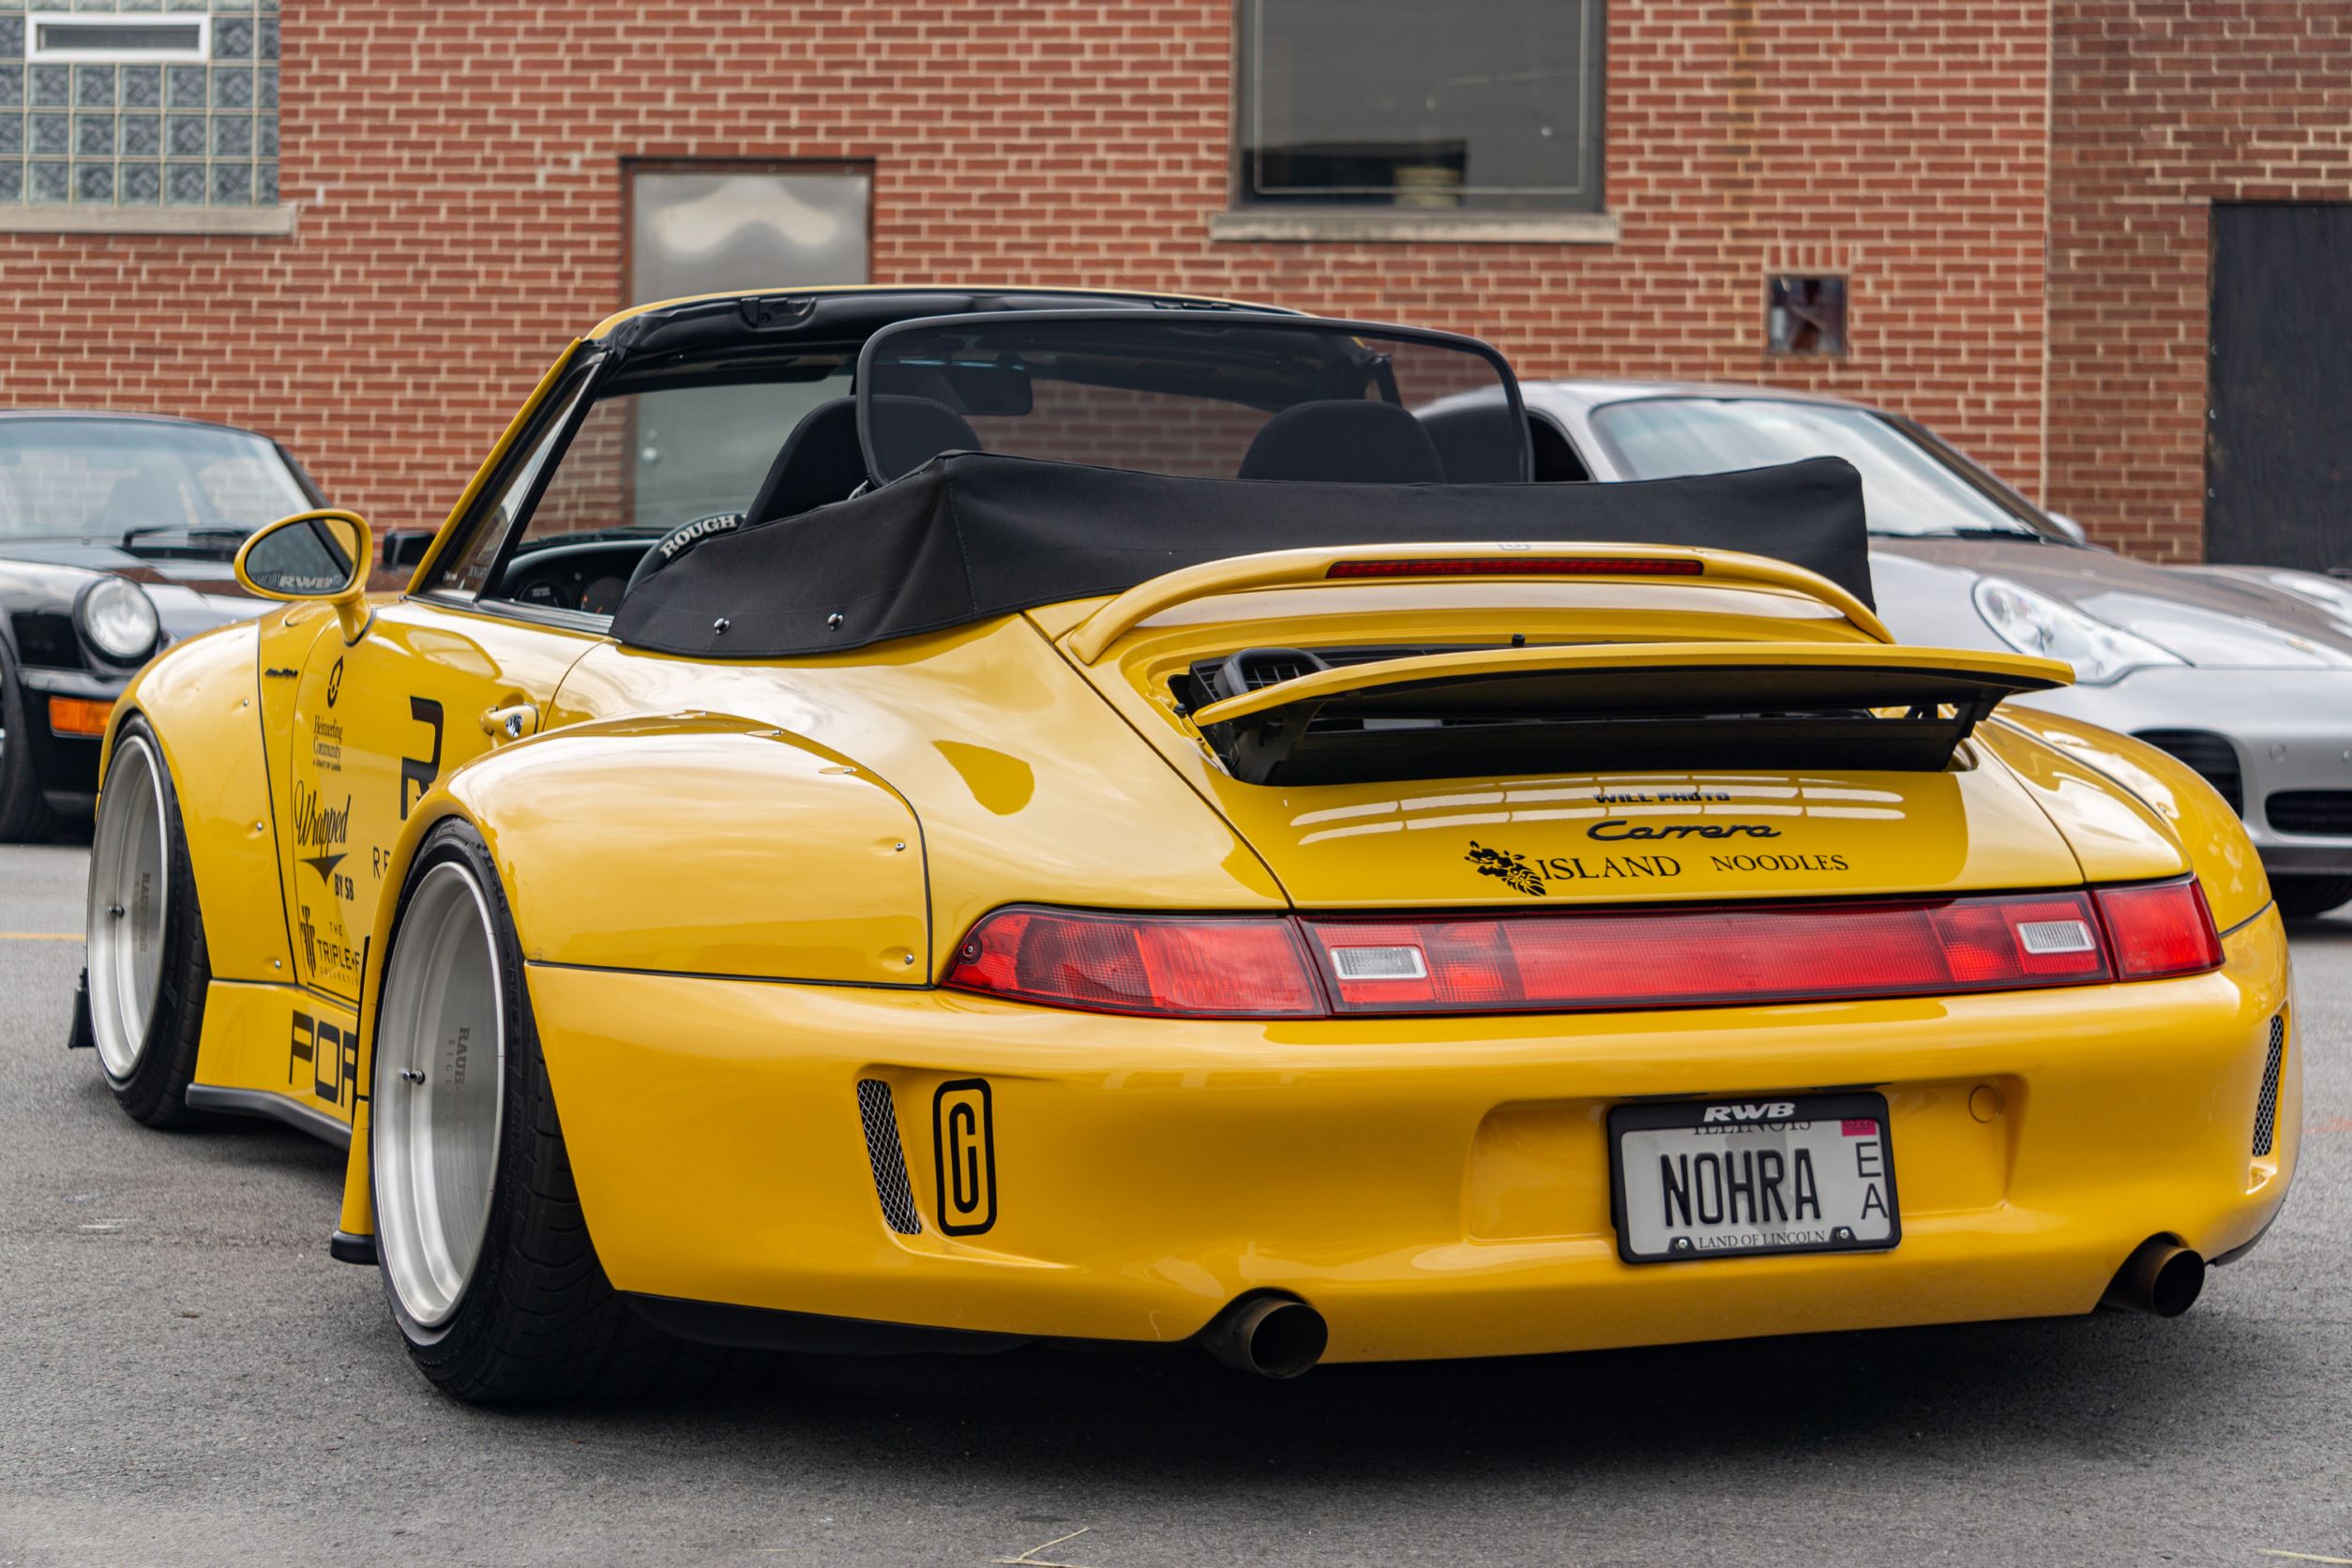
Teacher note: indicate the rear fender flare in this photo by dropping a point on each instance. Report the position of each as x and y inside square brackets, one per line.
[2208, 836]
[687, 843]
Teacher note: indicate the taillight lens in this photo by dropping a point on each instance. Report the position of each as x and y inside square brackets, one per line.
[1239, 967]
[2160, 930]
[1278, 966]
[1699, 958]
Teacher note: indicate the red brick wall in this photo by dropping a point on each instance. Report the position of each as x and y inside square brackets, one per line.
[450, 242]
[2164, 106]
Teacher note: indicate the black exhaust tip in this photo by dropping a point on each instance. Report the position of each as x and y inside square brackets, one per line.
[1274, 1337]
[2160, 1278]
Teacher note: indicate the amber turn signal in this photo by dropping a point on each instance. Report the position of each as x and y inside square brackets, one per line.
[78, 715]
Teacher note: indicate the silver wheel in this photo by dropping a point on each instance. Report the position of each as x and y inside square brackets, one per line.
[130, 887]
[440, 1086]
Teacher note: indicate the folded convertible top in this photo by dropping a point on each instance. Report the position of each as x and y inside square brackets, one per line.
[970, 536]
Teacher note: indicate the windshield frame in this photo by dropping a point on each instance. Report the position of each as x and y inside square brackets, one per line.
[1252, 320]
[2034, 523]
[306, 489]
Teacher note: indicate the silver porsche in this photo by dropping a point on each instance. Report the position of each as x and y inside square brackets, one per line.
[2243, 672]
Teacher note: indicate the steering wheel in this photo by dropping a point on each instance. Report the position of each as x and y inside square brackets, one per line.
[677, 542]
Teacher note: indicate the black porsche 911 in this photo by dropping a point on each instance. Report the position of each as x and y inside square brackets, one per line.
[116, 534]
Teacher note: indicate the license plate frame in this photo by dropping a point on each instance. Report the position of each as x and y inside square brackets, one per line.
[1667, 1115]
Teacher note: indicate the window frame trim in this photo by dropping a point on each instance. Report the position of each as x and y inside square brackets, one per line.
[567, 403]
[117, 22]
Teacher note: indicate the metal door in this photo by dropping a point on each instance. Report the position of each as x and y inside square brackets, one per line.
[2279, 418]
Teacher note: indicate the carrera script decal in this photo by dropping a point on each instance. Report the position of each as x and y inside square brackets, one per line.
[1618, 830]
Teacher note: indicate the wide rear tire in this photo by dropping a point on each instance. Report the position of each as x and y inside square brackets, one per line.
[148, 970]
[485, 1253]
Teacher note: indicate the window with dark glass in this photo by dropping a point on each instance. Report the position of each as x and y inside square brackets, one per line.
[1400, 104]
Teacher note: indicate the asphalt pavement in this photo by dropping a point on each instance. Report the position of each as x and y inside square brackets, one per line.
[186, 1378]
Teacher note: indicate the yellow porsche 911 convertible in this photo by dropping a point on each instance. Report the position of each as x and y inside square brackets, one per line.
[904, 818]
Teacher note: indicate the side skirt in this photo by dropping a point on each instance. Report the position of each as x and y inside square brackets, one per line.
[260, 1102]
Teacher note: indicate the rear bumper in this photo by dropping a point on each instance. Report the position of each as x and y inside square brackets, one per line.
[1435, 1187]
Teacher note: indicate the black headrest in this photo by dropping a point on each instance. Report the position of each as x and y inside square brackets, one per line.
[1344, 440]
[819, 463]
[910, 432]
[1479, 445]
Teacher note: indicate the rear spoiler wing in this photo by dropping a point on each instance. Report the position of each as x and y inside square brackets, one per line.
[1609, 707]
[1684, 566]
[1588, 708]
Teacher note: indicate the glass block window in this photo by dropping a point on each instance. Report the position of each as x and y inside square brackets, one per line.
[138, 103]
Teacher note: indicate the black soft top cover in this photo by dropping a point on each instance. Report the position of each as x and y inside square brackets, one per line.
[968, 537]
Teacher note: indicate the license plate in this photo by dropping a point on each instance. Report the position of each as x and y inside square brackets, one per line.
[1771, 1173]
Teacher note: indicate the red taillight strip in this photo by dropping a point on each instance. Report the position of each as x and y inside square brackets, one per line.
[1529, 566]
[1583, 960]
[1212, 967]
[2160, 929]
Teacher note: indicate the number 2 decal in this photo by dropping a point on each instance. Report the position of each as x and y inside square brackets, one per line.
[420, 772]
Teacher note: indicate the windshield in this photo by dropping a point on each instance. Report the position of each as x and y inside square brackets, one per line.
[1909, 488]
[646, 462]
[1259, 398]
[106, 478]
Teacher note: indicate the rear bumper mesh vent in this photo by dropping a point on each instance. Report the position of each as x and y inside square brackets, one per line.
[2212, 756]
[2324, 813]
[880, 1115]
[2266, 1131]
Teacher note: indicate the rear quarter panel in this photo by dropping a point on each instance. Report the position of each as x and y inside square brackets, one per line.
[2131, 811]
[699, 843]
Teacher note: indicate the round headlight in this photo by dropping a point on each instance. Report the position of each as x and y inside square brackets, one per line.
[2037, 624]
[118, 619]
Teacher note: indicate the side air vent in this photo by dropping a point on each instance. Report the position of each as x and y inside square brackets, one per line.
[880, 1115]
[2210, 755]
[2266, 1131]
[2322, 813]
